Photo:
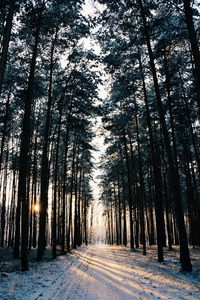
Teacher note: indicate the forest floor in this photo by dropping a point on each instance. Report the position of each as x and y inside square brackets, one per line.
[105, 272]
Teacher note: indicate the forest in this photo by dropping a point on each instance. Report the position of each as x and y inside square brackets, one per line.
[56, 56]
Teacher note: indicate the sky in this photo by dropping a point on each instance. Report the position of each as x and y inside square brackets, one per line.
[98, 142]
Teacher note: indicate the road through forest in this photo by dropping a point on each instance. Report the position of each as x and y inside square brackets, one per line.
[103, 272]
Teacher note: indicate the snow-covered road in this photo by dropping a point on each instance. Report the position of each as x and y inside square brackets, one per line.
[102, 272]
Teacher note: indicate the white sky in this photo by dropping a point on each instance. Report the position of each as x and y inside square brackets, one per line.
[98, 221]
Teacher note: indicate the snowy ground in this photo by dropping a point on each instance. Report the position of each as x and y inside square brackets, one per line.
[104, 272]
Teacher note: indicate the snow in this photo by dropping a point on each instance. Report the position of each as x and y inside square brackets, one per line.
[105, 272]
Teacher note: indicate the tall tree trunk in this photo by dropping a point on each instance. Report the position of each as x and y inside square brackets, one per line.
[193, 207]
[64, 185]
[79, 209]
[3, 205]
[24, 152]
[119, 211]
[156, 172]
[194, 44]
[124, 201]
[76, 199]
[129, 191]
[188, 114]
[6, 40]
[54, 235]
[60, 108]
[109, 233]
[34, 180]
[35, 202]
[44, 163]
[184, 251]
[116, 215]
[12, 213]
[71, 194]
[85, 219]
[151, 217]
[169, 229]
[142, 188]
[5, 121]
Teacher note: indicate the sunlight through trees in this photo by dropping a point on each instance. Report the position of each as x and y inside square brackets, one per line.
[99, 126]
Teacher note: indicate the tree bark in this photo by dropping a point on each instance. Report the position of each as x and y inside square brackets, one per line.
[71, 194]
[142, 187]
[156, 172]
[194, 44]
[124, 201]
[5, 121]
[44, 163]
[129, 191]
[6, 40]
[3, 205]
[24, 151]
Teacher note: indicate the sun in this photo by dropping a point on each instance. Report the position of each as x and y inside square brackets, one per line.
[36, 207]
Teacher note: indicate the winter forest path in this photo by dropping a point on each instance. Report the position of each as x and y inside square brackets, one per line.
[102, 272]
